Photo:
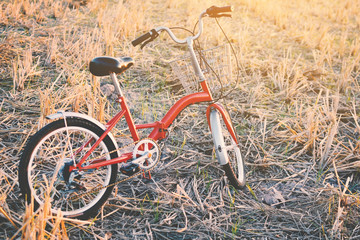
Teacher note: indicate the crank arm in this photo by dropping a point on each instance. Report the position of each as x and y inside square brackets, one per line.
[140, 159]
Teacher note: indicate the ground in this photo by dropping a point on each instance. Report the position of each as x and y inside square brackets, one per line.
[295, 108]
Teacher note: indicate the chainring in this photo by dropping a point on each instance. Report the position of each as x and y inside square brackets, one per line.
[146, 153]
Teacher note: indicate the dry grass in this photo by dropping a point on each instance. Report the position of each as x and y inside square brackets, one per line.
[296, 110]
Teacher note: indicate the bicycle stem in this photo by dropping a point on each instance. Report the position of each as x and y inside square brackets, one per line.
[194, 62]
[189, 41]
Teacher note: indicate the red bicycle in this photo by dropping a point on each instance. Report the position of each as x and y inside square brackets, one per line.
[73, 161]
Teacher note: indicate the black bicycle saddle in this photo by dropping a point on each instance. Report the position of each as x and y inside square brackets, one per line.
[103, 66]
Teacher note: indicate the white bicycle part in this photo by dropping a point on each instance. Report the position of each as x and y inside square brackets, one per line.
[227, 151]
[146, 153]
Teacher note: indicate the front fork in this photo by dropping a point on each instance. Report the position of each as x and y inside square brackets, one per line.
[226, 117]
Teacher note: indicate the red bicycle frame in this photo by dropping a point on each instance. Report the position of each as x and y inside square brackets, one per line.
[159, 132]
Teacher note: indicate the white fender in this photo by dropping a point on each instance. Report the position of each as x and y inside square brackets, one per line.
[62, 114]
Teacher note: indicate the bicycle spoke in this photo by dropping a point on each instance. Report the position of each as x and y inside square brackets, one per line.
[231, 147]
[153, 151]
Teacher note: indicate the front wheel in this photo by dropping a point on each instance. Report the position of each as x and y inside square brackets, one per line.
[44, 168]
[227, 151]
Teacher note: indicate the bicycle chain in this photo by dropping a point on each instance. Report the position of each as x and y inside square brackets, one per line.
[97, 189]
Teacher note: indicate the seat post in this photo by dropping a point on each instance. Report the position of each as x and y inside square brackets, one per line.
[116, 84]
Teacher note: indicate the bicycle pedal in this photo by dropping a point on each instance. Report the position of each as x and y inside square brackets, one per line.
[130, 169]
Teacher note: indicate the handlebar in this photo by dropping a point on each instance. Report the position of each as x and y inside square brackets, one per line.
[213, 12]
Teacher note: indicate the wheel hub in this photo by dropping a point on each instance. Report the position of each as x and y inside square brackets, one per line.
[68, 177]
[66, 171]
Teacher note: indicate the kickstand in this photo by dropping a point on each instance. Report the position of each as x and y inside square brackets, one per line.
[147, 177]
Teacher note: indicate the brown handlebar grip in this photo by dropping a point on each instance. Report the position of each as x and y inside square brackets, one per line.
[215, 10]
[141, 39]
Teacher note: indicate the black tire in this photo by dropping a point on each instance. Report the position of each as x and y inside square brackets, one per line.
[40, 146]
[227, 151]
[229, 172]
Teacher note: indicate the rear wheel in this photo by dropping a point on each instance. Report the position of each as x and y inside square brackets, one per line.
[44, 168]
[227, 151]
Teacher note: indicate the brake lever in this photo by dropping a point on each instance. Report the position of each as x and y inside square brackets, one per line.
[144, 44]
[221, 15]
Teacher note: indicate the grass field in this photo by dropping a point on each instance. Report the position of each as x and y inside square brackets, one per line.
[295, 109]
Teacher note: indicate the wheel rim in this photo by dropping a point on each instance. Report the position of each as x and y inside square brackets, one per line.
[235, 160]
[45, 164]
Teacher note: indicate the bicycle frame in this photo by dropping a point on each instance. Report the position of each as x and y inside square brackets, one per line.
[159, 127]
